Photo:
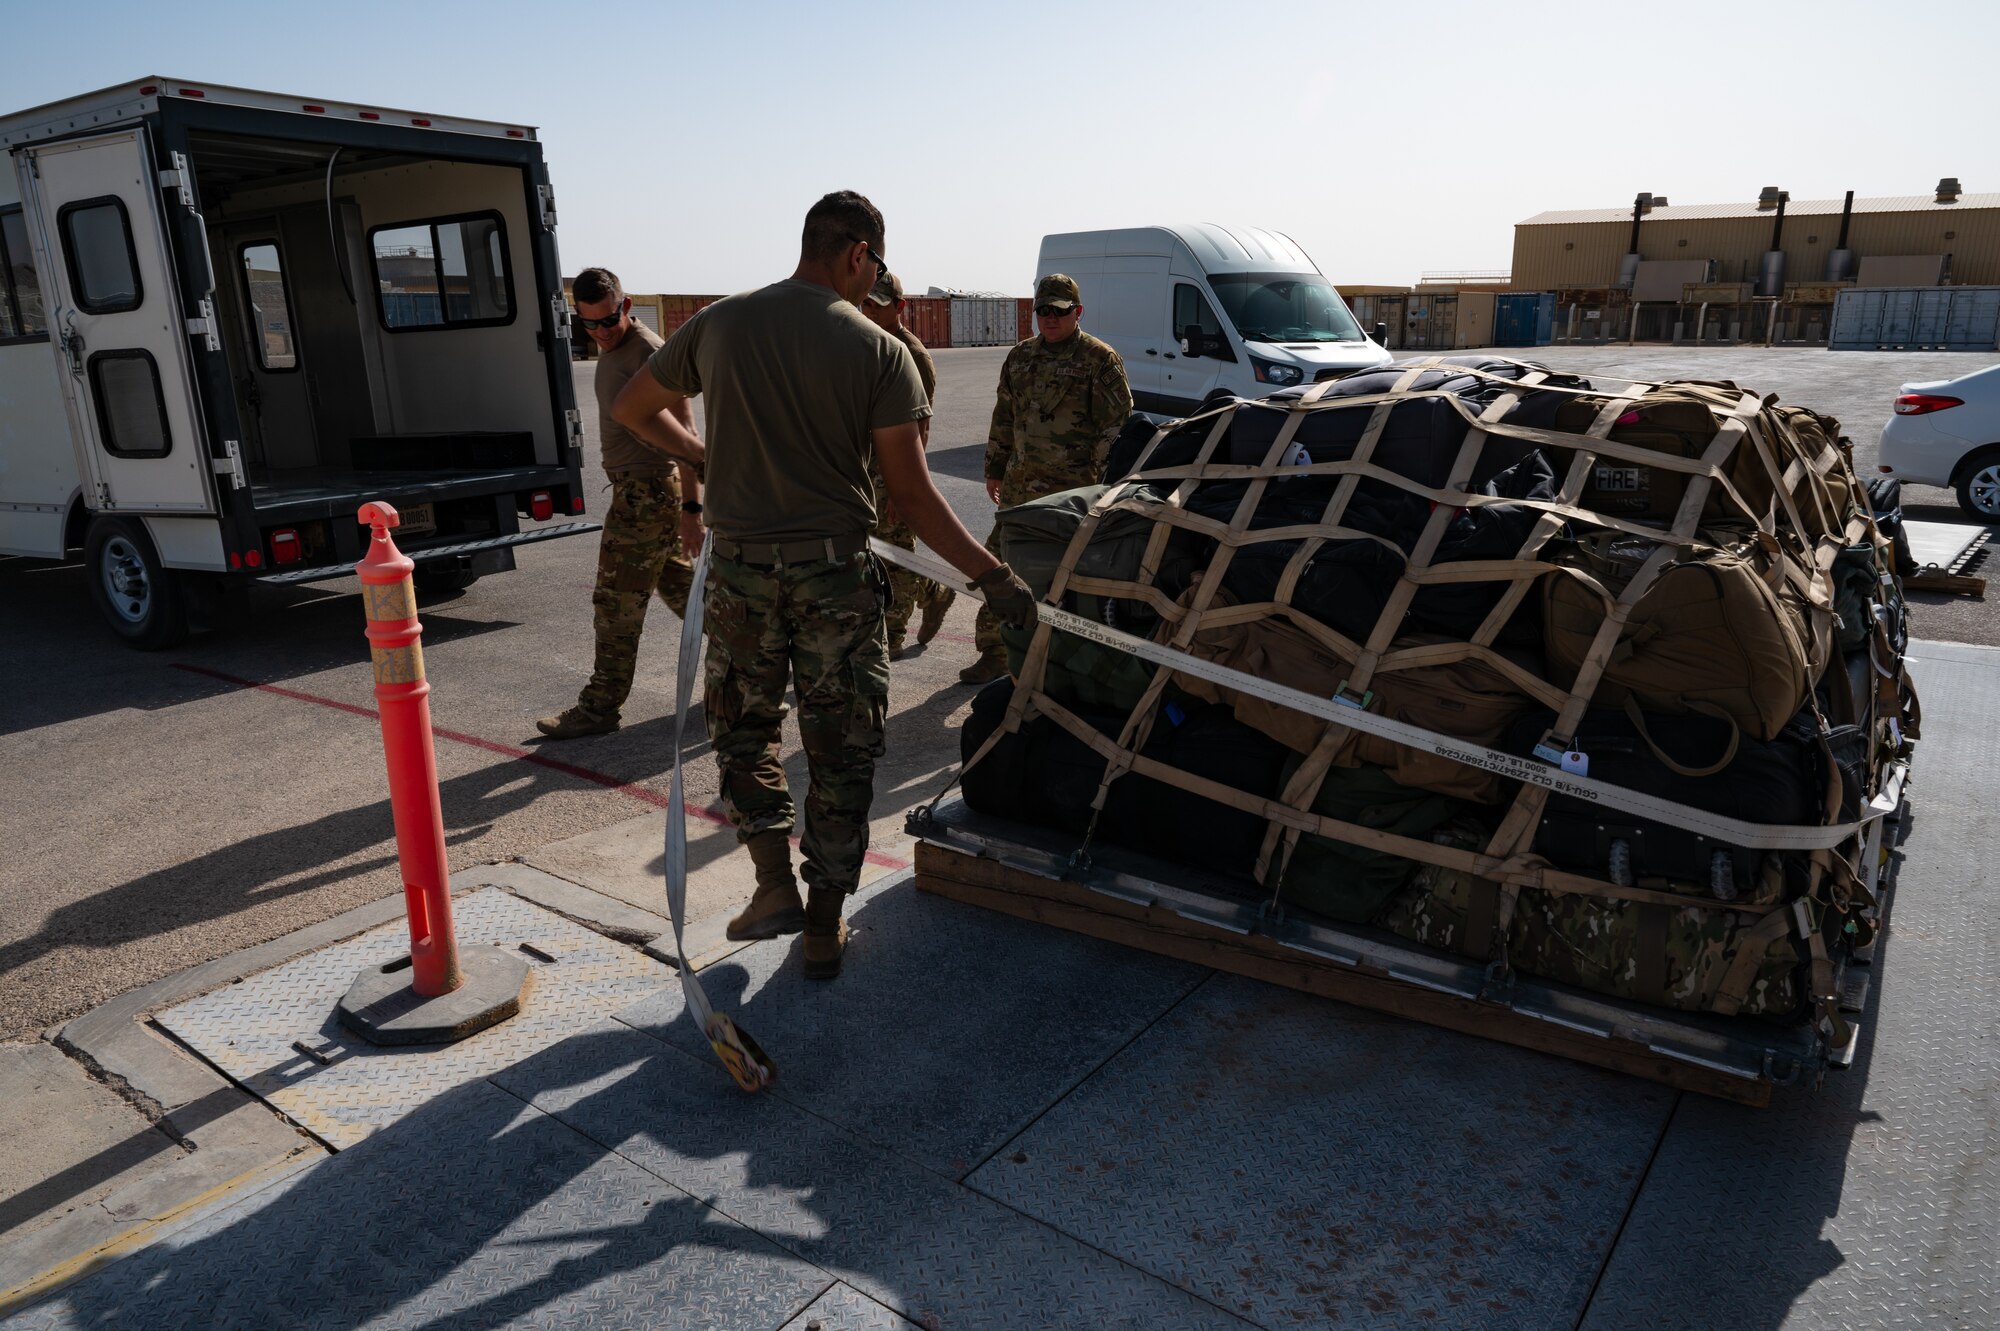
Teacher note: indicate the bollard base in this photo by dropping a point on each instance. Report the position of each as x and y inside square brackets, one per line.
[382, 1008]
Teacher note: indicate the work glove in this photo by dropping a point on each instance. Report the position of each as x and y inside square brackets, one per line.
[1006, 596]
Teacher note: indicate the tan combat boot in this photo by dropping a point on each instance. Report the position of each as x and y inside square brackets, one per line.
[774, 907]
[934, 614]
[826, 933]
[576, 722]
[986, 669]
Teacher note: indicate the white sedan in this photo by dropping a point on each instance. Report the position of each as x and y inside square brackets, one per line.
[1948, 433]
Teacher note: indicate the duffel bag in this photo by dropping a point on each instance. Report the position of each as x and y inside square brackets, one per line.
[1206, 741]
[1422, 435]
[1677, 420]
[1695, 760]
[1709, 635]
[1348, 882]
[1463, 700]
[1043, 775]
[1673, 956]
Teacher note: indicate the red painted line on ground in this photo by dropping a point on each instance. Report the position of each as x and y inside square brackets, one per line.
[609, 782]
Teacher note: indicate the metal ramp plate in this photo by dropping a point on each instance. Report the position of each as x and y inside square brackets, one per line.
[1304, 1163]
[954, 1027]
[1875, 1203]
[276, 1033]
[474, 1211]
[1947, 546]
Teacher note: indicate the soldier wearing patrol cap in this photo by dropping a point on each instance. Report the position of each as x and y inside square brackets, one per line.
[1063, 398]
[884, 307]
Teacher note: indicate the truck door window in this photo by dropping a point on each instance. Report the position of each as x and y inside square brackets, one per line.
[97, 246]
[447, 272]
[21, 317]
[1191, 307]
[131, 411]
[264, 296]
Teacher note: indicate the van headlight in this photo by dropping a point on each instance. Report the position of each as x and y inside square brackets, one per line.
[1270, 372]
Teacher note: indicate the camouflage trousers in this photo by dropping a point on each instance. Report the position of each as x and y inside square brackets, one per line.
[908, 592]
[1018, 486]
[639, 553]
[818, 625]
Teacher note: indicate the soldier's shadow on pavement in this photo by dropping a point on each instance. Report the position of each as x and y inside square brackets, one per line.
[479, 1210]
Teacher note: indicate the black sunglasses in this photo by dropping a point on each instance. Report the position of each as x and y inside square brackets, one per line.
[609, 321]
[1053, 312]
[881, 263]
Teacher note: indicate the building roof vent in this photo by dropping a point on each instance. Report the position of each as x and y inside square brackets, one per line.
[1767, 199]
[1659, 201]
[1947, 190]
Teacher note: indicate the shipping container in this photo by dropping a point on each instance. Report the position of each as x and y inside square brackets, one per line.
[1916, 319]
[984, 321]
[929, 317]
[1024, 318]
[1524, 319]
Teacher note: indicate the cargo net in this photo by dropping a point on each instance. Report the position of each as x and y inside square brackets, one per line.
[1594, 685]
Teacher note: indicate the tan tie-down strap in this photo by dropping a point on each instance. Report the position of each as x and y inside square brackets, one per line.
[1801, 493]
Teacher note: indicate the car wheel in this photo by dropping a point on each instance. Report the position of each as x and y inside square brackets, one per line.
[1979, 487]
[142, 600]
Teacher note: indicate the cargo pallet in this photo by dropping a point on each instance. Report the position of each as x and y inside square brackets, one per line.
[1037, 874]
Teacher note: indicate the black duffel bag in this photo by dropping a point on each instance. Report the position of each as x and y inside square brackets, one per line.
[1042, 774]
[1686, 759]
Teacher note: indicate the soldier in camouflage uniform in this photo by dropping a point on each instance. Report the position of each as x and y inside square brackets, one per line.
[1063, 398]
[884, 306]
[641, 550]
[798, 388]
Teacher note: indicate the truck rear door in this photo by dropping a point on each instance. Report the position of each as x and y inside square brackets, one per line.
[115, 313]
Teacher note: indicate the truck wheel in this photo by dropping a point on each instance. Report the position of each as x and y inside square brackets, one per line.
[442, 579]
[141, 599]
[1979, 487]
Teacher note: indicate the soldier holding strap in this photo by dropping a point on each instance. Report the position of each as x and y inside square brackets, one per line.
[798, 386]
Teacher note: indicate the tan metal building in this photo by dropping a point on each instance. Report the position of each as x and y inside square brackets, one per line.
[1587, 247]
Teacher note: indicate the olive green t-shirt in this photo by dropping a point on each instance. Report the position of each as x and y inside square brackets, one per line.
[624, 452]
[793, 379]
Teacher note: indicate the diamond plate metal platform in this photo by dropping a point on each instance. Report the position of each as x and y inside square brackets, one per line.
[1875, 1203]
[276, 1033]
[949, 1029]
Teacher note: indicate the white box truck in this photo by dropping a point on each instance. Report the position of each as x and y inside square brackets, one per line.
[1201, 307]
[227, 318]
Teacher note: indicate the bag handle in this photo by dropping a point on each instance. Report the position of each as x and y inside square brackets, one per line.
[1638, 721]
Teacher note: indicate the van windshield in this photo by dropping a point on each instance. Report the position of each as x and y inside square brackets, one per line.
[1284, 307]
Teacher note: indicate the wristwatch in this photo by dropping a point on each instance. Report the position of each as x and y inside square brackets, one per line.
[691, 506]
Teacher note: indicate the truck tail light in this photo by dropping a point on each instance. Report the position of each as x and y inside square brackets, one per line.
[285, 547]
[254, 558]
[541, 506]
[1922, 404]
[576, 503]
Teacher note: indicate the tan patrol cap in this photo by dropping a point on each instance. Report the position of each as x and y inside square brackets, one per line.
[888, 289]
[1058, 290]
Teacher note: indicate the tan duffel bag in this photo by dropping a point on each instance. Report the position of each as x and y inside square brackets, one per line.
[1718, 632]
[1464, 700]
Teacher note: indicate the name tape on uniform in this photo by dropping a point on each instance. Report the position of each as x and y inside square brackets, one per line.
[1734, 831]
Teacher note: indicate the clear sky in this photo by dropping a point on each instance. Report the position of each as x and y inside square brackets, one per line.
[686, 141]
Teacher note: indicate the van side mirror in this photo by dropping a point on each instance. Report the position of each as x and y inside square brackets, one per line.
[1381, 334]
[1193, 341]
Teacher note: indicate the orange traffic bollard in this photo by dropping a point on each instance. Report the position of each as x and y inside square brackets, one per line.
[395, 648]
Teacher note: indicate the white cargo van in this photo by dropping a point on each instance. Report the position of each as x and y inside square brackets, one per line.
[227, 318]
[1201, 307]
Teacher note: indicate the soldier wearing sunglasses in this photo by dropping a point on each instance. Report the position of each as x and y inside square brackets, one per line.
[653, 521]
[1063, 399]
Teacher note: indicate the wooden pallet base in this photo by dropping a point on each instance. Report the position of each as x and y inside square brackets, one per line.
[1011, 891]
[1958, 584]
